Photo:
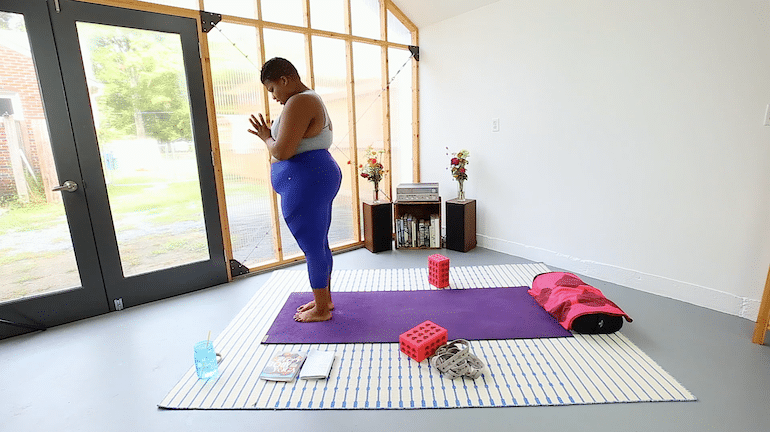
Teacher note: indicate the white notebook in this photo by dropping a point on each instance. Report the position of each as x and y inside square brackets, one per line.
[318, 365]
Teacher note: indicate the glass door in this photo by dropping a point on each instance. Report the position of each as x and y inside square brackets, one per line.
[107, 194]
[134, 84]
[49, 270]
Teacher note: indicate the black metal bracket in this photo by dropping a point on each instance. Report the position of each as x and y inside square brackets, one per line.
[209, 20]
[26, 326]
[415, 50]
[237, 269]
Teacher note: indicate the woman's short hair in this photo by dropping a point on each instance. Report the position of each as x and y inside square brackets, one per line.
[277, 67]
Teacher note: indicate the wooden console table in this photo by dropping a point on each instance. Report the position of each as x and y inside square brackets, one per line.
[461, 225]
[378, 220]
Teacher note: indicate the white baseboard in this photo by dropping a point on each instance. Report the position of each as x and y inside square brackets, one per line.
[684, 291]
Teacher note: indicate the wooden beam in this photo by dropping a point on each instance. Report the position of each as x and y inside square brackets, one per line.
[219, 180]
[763, 319]
[272, 265]
[216, 155]
[306, 12]
[386, 136]
[383, 20]
[352, 131]
[401, 16]
[313, 32]
[308, 45]
[415, 113]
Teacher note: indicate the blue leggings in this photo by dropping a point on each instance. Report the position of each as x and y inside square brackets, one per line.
[308, 183]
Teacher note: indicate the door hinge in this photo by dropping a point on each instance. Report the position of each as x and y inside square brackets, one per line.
[119, 304]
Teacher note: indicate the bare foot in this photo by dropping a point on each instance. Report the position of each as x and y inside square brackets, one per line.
[312, 315]
[311, 305]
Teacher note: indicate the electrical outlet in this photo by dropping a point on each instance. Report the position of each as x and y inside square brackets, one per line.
[495, 125]
[767, 115]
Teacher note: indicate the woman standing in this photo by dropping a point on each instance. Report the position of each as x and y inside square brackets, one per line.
[304, 173]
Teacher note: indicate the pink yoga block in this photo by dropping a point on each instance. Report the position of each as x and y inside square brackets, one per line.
[422, 341]
[438, 270]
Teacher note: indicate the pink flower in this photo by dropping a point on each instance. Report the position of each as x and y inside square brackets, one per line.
[455, 161]
[462, 170]
[364, 175]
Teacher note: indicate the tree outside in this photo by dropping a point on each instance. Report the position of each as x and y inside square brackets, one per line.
[139, 83]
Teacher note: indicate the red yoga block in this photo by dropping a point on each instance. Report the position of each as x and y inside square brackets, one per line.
[438, 270]
[422, 341]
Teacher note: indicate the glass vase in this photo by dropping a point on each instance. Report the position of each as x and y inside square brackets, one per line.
[460, 190]
[376, 191]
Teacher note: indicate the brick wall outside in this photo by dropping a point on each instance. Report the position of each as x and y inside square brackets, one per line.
[17, 75]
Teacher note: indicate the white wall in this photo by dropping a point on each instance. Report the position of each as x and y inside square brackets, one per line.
[631, 144]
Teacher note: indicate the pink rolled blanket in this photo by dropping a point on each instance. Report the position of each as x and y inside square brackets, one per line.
[576, 305]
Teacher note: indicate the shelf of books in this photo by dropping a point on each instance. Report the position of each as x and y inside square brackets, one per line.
[418, 224]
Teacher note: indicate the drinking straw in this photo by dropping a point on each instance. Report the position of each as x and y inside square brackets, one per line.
[208, 338]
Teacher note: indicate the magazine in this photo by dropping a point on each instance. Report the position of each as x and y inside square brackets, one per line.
[283, 367]
[318, 365]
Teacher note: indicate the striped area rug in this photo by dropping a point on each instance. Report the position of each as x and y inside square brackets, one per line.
[586, 369]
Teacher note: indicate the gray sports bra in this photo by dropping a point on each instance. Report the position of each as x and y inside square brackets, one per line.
[322, 141]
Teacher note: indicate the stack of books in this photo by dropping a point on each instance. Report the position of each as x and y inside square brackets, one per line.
[418, 233]
[285, 366]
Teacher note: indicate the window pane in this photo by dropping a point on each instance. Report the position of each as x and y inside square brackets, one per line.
[283, 11]
[137, 84]
[36, 253]
[401, 115]
[329, 66]
[328, 15]
[238, 93]
[367, 72]
[397, 32]
[241, 8]
[365, 18]
[290, 46]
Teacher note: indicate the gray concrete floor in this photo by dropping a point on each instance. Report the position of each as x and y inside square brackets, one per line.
[109, 372]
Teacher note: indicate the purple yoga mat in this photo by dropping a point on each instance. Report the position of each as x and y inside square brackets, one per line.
[381, 316]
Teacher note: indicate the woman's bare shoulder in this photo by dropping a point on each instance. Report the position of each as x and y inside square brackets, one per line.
[304, 99]
[303, 103]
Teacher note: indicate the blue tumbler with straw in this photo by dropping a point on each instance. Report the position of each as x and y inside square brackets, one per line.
[206, 360]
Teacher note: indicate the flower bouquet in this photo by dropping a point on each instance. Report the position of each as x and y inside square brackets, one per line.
[373, 169]
[457, 164]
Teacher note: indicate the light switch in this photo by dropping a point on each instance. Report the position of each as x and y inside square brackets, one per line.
[495, 125]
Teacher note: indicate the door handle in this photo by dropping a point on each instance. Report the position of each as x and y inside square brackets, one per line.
[69, 186]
